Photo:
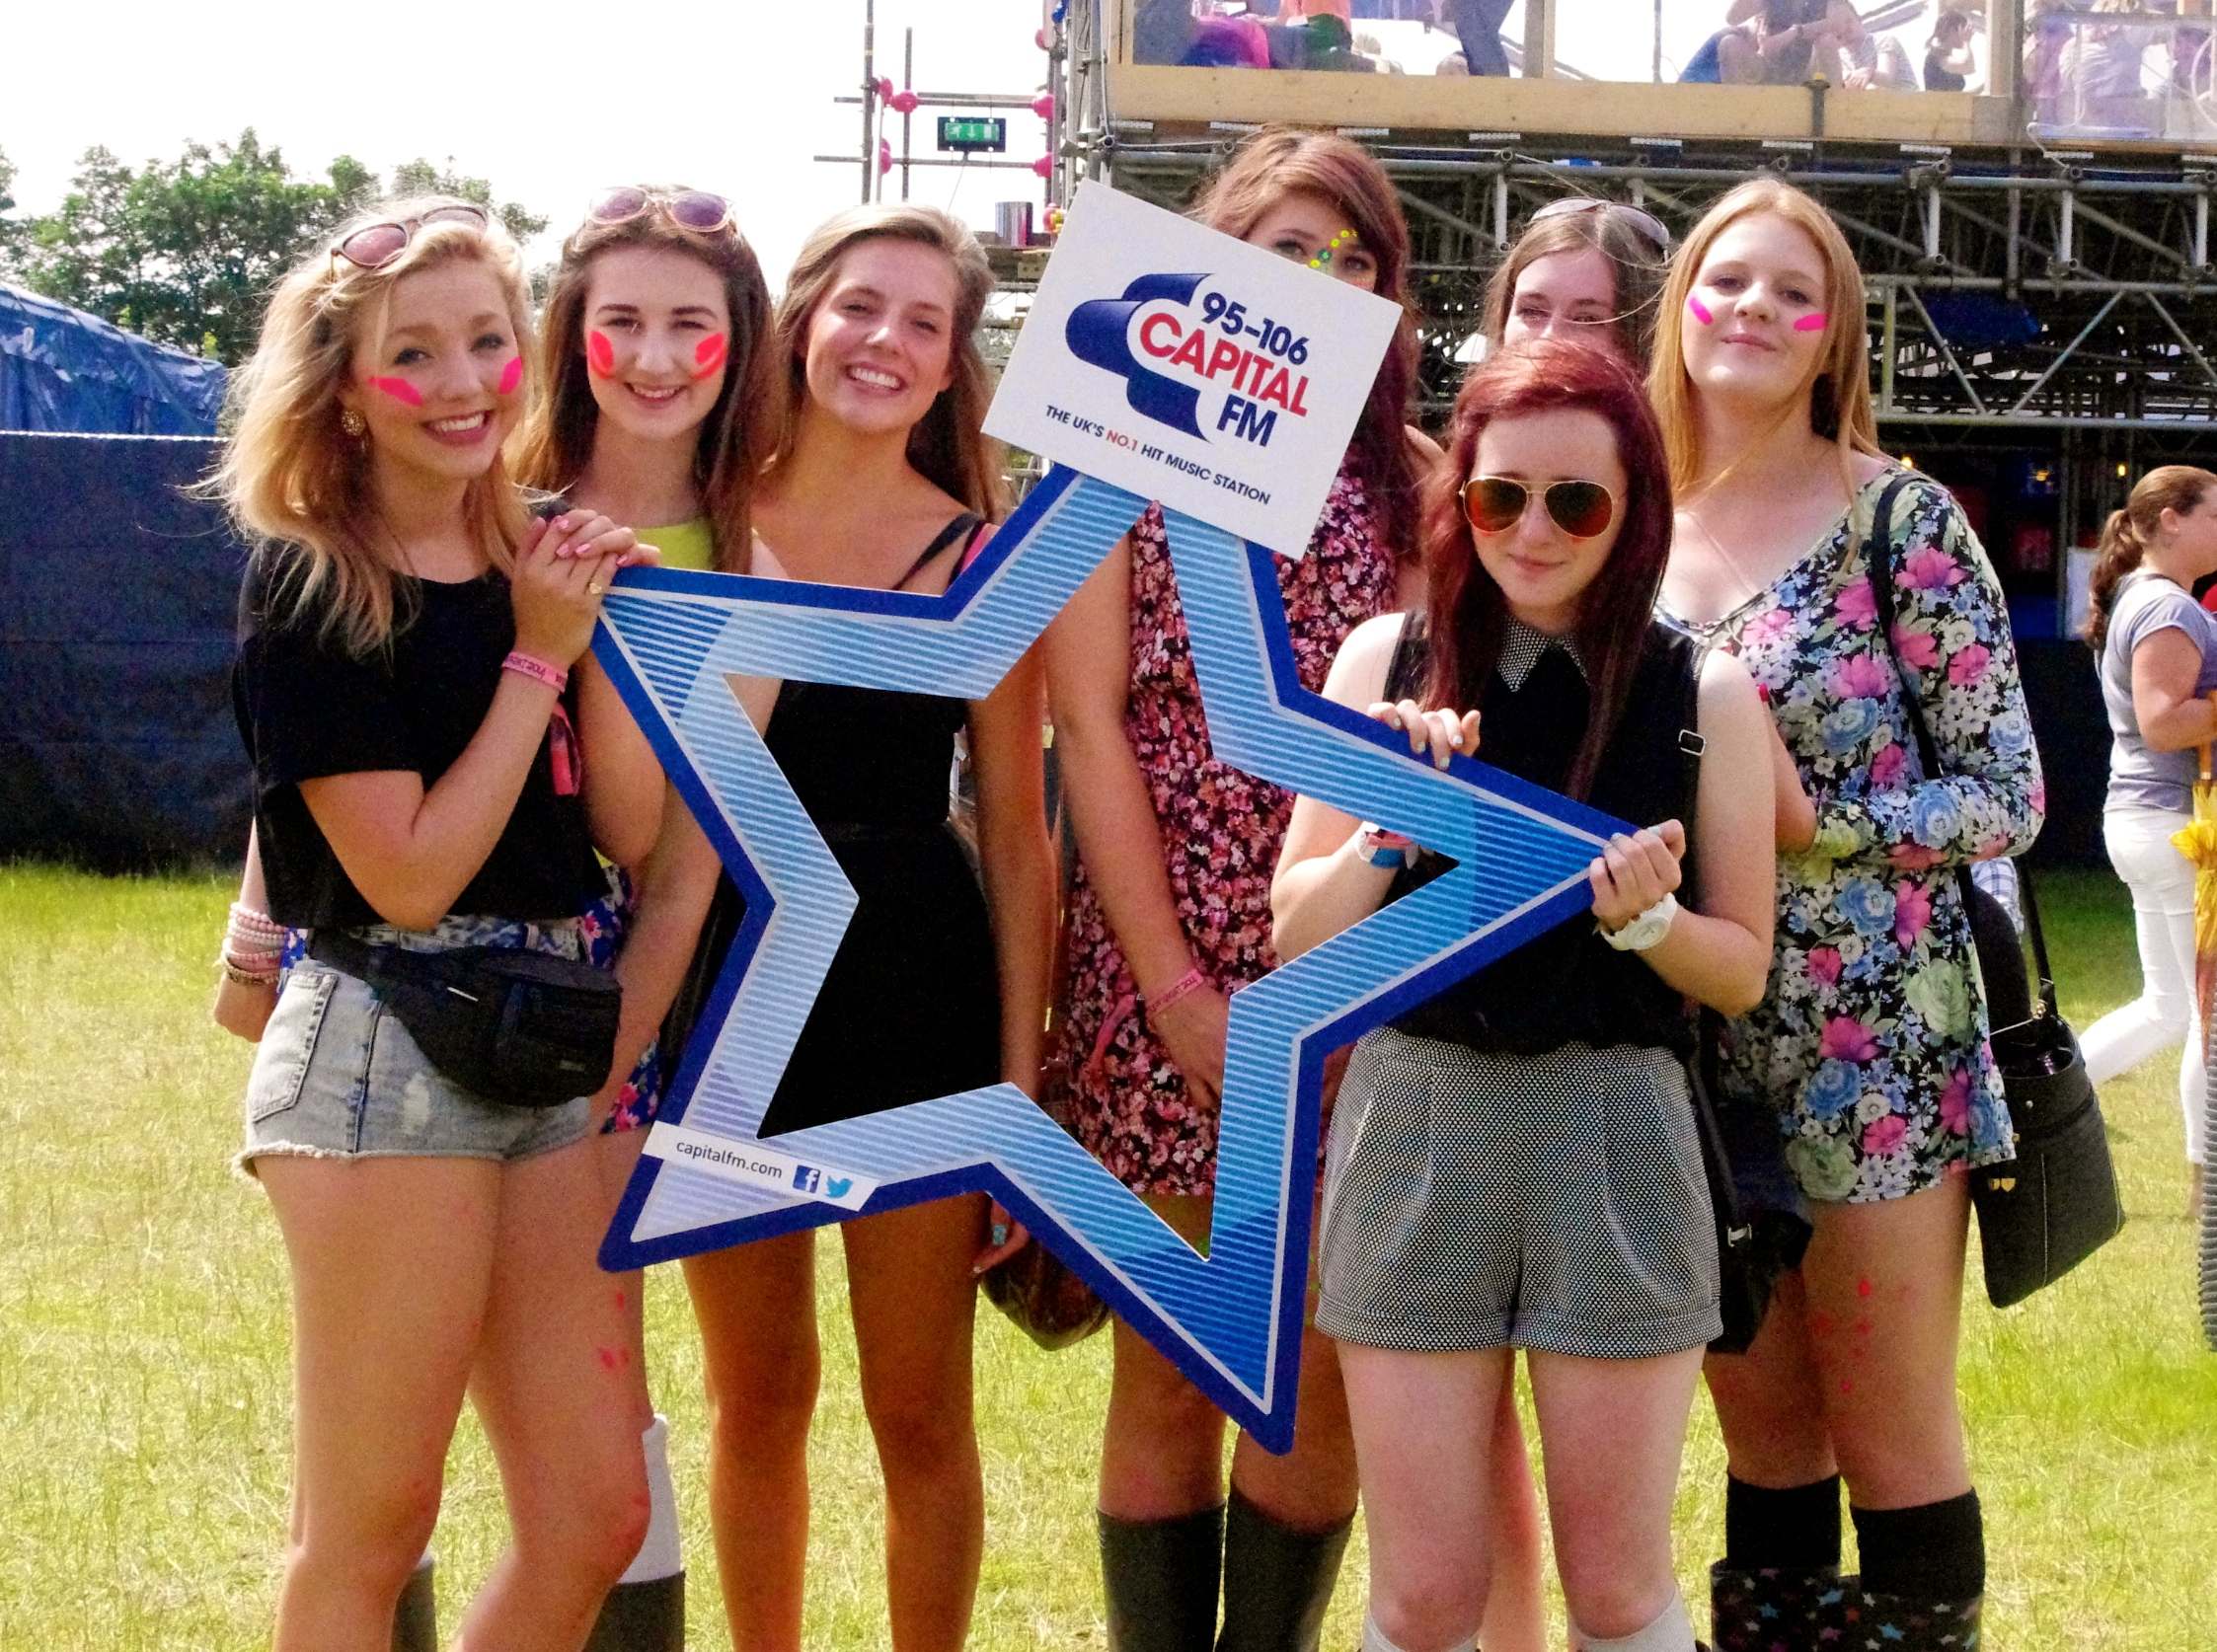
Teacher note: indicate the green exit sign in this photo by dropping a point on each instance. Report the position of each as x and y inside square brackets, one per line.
[974, 134]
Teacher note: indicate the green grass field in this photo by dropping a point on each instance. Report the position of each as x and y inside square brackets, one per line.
[144, 1391]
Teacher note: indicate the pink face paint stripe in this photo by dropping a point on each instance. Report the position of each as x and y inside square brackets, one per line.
[400, 390]
[601, 355]
[1812, 323]
[511, 375]
[1699, 311]
[709, 355]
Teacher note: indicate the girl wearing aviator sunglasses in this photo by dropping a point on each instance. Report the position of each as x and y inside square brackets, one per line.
[1513, 1164]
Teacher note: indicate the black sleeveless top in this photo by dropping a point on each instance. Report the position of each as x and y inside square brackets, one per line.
[910, 1008]
[1569, 983]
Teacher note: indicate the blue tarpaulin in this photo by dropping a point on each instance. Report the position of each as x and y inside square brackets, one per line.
[117, 591]
[62, 370]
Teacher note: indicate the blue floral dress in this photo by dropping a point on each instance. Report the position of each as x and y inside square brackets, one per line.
[1871, 1041]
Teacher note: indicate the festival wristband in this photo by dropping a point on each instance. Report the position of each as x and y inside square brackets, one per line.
[1185, 987]
[538, 670]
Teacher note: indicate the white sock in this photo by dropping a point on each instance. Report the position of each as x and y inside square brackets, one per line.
[1672, 1631]
[659, 1556]
[1374, 1640]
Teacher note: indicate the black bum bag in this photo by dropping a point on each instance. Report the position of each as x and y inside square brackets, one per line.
[525, 1028]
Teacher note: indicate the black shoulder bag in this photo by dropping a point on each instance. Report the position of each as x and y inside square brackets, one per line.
[2052, 1205]
[1751, 1250]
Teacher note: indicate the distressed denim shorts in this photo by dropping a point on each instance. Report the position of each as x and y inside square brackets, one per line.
[337, 1076]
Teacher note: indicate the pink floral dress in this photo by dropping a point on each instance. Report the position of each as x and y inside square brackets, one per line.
[1221, 831]
[1871, 1041]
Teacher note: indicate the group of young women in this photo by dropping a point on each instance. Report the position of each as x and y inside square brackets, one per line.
[1652, 595]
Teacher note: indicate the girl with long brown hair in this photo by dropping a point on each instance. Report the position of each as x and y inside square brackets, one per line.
[1514, 1163]
[2156, 651]
[1867, 1061]
[406, 633]
[879, 477]
[1170, 911]
[658, 392]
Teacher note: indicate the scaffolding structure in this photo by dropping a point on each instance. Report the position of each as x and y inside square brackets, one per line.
[2021, 297]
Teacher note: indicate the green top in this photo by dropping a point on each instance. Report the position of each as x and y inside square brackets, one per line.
[688, 544]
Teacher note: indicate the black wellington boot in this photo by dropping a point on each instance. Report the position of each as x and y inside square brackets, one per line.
[645, 1616]
[1160, 1579]
[416, 1615]
[1773, 1608]
[1277, 1580]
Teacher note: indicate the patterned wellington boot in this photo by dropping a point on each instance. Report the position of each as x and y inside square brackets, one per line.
[1772, 1610]
[1912, 1623]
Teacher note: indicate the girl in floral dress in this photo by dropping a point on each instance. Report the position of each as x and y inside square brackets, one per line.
[1869, 1047]
[1171, 911]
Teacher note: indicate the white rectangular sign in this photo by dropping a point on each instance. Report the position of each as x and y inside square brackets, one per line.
[757, 1166]
[1170, 359]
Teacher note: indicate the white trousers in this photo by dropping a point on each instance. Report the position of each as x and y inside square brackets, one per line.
[2162, 883]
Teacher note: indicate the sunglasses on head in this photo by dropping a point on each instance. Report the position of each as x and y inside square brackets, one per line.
[1493, 504]
[696, 211]
[374, 246]
[1640, 222]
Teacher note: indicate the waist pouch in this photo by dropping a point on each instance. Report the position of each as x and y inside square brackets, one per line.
[524, 1029]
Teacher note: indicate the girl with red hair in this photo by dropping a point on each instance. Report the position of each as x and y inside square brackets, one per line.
[1514, 1163]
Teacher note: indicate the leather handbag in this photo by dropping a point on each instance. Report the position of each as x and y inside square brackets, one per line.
[2052, 1205]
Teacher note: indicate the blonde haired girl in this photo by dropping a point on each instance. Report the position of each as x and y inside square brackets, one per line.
[406, 631]
[1867, 1061]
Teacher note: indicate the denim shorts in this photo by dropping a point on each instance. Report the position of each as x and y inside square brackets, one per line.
[336, 1077]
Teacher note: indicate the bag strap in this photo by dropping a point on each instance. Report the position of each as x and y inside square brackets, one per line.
[1877, 560]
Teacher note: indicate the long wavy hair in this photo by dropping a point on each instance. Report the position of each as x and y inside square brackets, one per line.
[296, 484]
[2128, 533]
[1467, 616]
[555, 445]
[1636, 266]
[949, 444]
[1835, 397]
[1279, 161]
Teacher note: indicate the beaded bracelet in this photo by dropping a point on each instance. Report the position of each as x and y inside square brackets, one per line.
[538, 670]
[251, 935]
[1185, 987]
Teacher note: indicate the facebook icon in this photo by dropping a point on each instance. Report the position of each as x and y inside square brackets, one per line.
[806, 1178]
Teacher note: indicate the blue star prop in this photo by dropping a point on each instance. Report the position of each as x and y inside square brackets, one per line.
[1231, 1318]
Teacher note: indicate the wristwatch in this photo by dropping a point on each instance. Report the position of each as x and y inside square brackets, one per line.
[1377, 847]
[1646, 929]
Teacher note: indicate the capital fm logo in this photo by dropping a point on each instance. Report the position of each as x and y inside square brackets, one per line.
[1197, 358]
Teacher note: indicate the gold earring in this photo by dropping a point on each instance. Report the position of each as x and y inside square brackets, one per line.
[350, 421]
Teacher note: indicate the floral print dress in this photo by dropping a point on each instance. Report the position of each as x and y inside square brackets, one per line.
[1221, 831]
[1871, 1041]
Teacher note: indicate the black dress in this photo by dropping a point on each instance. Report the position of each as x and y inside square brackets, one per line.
[911, 1006]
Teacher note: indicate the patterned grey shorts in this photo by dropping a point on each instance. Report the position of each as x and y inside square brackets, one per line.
[336, 1077]
[1557, 1201]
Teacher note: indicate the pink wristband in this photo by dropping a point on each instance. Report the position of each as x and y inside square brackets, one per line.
[1185, 987]
[538, 670]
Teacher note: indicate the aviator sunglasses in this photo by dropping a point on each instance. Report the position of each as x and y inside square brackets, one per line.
[696, 211]
[374, 246]
[1495, 504]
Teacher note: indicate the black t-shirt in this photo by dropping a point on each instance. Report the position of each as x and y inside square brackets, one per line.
[308, 709]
